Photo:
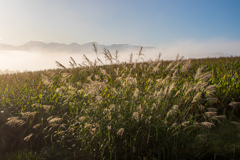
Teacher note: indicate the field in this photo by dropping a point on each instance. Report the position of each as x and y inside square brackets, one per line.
[182, 109]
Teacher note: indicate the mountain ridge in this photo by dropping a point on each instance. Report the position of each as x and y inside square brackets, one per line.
[38, 46]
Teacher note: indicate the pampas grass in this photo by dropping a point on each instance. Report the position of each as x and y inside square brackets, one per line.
[153, 109]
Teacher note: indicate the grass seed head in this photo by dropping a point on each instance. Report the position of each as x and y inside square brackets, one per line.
[99, 99]
[197, 97]
[173, 111]
[29, 114]
[136, 93]
[15, 122]
[184, 124]
[28, 138]
[235, 105]
[82, 119]
[120, 132]
[135, 116]
[37, 126]
[207, 124]
[55, 120]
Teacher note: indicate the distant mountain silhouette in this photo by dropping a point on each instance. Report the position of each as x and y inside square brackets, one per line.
[38, 46]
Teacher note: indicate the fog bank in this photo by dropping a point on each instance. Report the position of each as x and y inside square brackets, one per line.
[33, 61]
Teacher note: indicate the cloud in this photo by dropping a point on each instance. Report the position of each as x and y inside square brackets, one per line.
[200, 49]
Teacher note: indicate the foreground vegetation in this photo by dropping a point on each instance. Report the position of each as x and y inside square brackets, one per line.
[182, 109]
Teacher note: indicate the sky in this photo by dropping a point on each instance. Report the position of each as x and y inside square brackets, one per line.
[184, 26]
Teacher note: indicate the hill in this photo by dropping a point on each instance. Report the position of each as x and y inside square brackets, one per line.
[38, 46]
[182, 109]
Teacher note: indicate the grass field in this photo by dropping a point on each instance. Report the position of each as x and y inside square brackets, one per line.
[182, 109]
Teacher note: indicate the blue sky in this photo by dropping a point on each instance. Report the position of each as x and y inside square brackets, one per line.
[143, 22]
[192, 28]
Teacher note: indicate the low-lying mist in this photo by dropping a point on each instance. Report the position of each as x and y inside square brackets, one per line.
[33, 61]
[19, 61]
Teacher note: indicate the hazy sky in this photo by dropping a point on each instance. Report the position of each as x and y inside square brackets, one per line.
[193, 28]
[144, 22]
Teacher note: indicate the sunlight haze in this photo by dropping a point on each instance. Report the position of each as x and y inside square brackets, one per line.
[191, 28]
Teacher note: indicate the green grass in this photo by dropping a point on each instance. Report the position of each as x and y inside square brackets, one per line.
[150, 110]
